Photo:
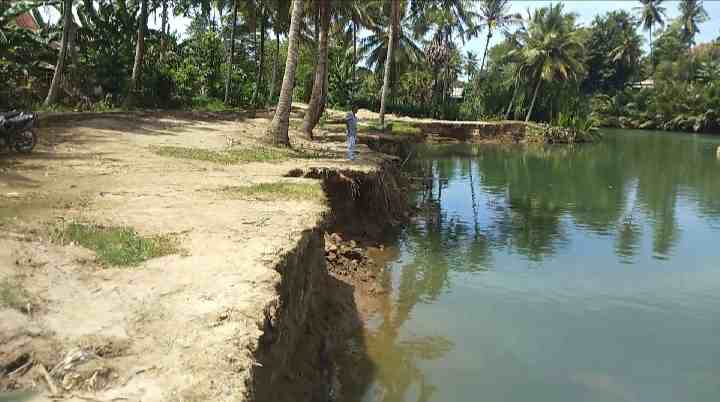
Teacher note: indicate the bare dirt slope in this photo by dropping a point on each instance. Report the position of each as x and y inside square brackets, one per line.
[180, 327]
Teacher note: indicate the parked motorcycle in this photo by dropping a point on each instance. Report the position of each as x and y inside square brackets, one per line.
[18, 130]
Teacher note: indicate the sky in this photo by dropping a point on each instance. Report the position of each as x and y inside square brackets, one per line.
[588, 9]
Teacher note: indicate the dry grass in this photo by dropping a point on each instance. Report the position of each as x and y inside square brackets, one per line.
[395, 127]
[240, 155]
[278, 192]
[13, 295]
[228, 157]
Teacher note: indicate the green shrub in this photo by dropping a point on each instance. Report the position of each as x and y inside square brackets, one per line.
[120, 246]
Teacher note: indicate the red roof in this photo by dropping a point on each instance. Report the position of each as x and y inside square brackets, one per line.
[26, 21]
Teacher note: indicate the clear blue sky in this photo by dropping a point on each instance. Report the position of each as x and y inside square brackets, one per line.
[588, 9]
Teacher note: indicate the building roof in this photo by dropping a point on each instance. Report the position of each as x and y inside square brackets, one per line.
[27, 21]
[648, 83]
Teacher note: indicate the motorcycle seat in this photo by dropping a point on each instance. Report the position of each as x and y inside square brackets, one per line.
[10, 115]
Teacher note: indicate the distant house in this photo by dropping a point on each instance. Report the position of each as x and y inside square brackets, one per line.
[648, 83]
[457, 92]
[27, 21]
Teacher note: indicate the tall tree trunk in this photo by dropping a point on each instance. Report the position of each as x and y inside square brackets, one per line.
[278, 130]
[261, 67]
[231, 56]
[512, 102]
[532, 104]
[205, 13]
[394, 16]
[316, 32]
[354, 72]
[60, 65]
[315, 108]
[652, 53]
[256, 88]
[136, 79]
[163, 27]
[273, 79]
[91, 10]
[71, 48]
[487, 43]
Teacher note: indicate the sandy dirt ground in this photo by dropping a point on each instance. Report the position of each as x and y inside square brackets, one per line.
[180, 327]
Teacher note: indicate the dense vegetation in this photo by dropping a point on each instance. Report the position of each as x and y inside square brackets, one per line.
[402, 56]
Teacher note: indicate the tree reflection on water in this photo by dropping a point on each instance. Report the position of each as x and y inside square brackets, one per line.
[484, 201]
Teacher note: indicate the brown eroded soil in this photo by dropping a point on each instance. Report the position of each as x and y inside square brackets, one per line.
[182, 327]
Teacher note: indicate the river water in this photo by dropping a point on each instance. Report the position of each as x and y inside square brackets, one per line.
[557, 274]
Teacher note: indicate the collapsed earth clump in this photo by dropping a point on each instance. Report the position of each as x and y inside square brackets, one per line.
[345, 259]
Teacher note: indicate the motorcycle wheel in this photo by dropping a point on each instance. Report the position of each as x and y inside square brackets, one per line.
[25, 141]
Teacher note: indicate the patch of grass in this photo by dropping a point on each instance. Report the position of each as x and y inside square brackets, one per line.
[278, 192]
[228, 157]
[100, 106]
[395, 127]
[235, 156]
[401, 127]
[14, 296]
[208, 104]
[119, 246]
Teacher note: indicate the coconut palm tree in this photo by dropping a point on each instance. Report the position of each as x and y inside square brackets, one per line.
[450, 20]
[628, 52]
[692, 14]
[651, 13]
[60, 65]
[279, 20]
[438, 54]
[455, 17]
[278, 130]
[393, 28]
[319, 95]
[231, 54]
[551, 50]
[351, 16]
[374, 47]
[136, 78]
[495, 15]
[471, 64]
[255, 14]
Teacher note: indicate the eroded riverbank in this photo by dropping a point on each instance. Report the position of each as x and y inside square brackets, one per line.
[238, 309]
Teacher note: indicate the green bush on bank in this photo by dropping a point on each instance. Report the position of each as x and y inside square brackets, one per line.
[118, 246]
[567, 128]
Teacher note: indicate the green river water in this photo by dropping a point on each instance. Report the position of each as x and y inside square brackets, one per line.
[558, 274]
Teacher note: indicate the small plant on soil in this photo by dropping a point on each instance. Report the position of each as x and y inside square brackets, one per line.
[235, 156]
[395, 127]
[119, 246]
[278, 192]
[14, 296]
[400, 127]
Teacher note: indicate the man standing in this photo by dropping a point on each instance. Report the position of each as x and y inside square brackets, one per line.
[351, 125]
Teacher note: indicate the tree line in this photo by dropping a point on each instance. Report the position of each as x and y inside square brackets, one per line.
[401, 56]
